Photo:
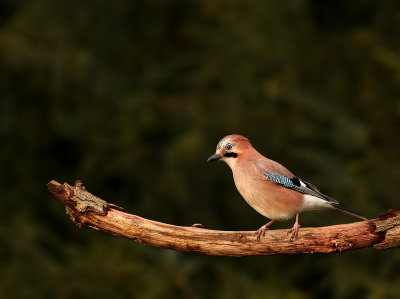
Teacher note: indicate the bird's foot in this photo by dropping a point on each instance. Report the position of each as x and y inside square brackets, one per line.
[262, 230]
[294, 231]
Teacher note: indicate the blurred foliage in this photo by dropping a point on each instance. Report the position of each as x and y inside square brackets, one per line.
[131, 97]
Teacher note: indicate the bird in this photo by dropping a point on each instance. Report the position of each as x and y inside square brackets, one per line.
[269, 187]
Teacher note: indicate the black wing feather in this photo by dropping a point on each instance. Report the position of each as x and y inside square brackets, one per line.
[298, 185]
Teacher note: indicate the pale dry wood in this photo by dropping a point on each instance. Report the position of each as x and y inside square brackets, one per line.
[88, 210]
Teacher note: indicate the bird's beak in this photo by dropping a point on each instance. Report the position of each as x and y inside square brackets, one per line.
[214, 158]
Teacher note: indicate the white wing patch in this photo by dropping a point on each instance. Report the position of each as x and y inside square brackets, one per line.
[302, 183]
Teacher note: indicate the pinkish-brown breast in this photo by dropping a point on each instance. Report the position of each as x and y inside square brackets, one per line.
[267, 198]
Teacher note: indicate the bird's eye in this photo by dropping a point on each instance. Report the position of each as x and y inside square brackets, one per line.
[229, 146]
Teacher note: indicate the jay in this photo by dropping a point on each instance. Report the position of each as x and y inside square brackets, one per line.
[268, 187]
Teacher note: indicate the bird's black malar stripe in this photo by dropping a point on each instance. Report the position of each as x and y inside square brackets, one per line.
[230, 155]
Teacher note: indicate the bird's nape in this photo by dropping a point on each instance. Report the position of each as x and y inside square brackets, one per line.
[270, 188]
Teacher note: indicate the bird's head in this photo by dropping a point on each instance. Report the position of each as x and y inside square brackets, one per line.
[229, 149]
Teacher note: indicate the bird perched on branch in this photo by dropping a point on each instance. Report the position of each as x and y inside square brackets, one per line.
[268, 187]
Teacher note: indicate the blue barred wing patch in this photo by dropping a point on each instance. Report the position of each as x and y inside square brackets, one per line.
[280, 179]
[297, 185]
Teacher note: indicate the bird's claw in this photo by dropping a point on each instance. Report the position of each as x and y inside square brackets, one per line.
[294, 231]
[260, 232]
[263, 229]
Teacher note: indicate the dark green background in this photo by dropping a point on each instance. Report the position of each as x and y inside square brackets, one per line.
[132, 97]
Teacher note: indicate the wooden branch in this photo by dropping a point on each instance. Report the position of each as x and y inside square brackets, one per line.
[87, 210]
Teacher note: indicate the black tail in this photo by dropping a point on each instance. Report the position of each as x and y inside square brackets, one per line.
[347, 212]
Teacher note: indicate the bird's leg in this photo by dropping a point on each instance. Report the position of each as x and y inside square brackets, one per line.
[294, 231]
[263, 229]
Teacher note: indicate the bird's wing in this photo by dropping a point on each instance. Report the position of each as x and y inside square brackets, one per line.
[298, 185]
[277, 173]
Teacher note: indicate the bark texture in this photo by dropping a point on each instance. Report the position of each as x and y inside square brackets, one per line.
[87, 210]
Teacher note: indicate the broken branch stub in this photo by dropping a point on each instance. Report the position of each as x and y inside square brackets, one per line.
[86, 209]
